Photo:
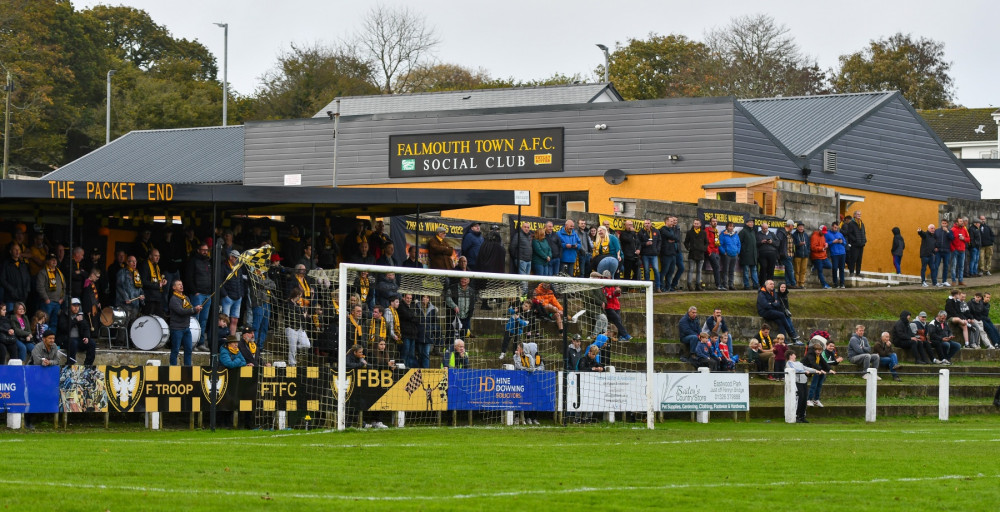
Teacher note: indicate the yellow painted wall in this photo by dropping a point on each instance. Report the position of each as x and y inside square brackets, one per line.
[880, 211]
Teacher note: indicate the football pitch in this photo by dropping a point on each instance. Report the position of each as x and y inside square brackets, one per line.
[915, 464]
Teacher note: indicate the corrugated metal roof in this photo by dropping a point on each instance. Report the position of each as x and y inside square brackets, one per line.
[805, 123]
[962, 124]
[740, 182]
[470, 99]
[184, 155]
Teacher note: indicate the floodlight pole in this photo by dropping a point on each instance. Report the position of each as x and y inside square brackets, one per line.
[8, 86]
[107, 122]
[225, 70]
[607, 60]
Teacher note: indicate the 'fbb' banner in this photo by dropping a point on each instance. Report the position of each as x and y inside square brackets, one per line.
[26, 389]
[501, 390]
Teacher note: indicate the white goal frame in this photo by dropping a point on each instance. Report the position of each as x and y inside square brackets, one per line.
[342, 285]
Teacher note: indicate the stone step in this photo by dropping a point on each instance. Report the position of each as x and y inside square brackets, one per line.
[770, 390]
[858, 411]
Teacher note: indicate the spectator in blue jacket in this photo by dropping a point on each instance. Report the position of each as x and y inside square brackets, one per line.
[838, 253]
[471, 243]
[569, 241]
[689, 328]
[729, 252]
[702, 354]
[230, 356]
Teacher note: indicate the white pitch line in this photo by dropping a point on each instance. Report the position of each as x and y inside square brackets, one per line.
[669, 487]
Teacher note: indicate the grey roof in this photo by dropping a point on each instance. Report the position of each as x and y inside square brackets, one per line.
[184, 155]
[962, 124]
[804, 124]
[740, 182]
[471, 99]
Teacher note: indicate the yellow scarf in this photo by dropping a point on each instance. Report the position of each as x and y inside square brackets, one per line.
[697, 230]
[364, 283]
[185, 303]
[232, 350]
[357, 328]
[252, 345]
[395, 323]
[381, 330]
[154, 272]
[525, 360]
[52, 277]
[602, 248]
[306, 291]
[135, 278]
[765, 341]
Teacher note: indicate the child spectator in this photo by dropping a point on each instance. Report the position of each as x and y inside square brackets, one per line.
[766, 348]
[830, 354]
[753, 357]
[814, 359]
[600, 341]
[514, 328]
[779, 356]
[573, 353]
[702, 356]
[801, 377]
[720, 351]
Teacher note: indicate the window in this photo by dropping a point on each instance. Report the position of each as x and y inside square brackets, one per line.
[726, 196]
[554, 203]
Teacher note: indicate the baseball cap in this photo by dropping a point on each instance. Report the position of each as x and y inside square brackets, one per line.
[276, 257]
[74, 301]
[234, 253]
[922, 314]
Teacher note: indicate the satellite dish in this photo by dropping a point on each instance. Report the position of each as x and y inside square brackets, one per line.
[615, 176]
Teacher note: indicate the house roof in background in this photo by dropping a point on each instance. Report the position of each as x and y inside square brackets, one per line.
[472, 99]
[962, 124]
[803, 124]
[183, 155]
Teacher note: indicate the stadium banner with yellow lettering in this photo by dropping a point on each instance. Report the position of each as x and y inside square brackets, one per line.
[413, 389]
[403, 233]
[476, 153]
[153, 389]
[501, 390]
[27, 389]
[618, 223]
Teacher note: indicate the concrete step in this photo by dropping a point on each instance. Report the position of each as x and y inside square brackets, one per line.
[776, 390]
[858, 411]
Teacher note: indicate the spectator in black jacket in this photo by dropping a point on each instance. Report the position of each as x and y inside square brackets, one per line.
[927, 255]
[986, 247]
[958, 313]
[939, 334]
[942, 252]
[629, 240]
[769, 308]
[409, 326]
[649, 252]
[973, 248]
[15, 277]
[154, 283]
[987, 323]
[74, 334]
[903, 337]
[231, 295]
[520, 250]
[671, 257]
[898, 245]
[748, 255]
[555, 244]
[854, 232]
[977, 311]
[198, 280]
[768, 246]
[696, 243]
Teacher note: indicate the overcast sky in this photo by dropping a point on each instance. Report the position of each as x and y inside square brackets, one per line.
[537, 38]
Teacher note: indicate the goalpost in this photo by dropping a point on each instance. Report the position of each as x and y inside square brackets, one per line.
[495, 312]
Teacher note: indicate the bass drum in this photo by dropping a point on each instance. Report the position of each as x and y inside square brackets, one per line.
[195, 328]
[113, 317]
[150, 332]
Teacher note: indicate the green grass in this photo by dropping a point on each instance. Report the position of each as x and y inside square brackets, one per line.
[899, 464]
[864, 303]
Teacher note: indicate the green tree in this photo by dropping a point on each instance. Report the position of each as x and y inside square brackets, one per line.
[306, 79]
[442, 77]
[914, 66]
[754, 57]
[660, 67]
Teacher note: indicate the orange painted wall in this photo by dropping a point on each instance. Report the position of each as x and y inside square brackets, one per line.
[880, 212]
[667, 187]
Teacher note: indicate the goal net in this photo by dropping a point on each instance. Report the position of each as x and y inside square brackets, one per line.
[428, 347]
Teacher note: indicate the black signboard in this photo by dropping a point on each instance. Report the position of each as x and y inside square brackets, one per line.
[472, 153]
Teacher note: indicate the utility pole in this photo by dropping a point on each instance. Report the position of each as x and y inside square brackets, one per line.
[8, 86]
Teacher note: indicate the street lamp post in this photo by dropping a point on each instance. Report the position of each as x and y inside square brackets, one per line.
[225, 70]
[607, 60]
[107, 122]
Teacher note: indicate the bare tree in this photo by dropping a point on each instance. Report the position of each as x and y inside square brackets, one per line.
[755, 57]
[395, 41]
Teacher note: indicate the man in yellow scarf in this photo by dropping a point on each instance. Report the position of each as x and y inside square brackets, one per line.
[51, 287]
